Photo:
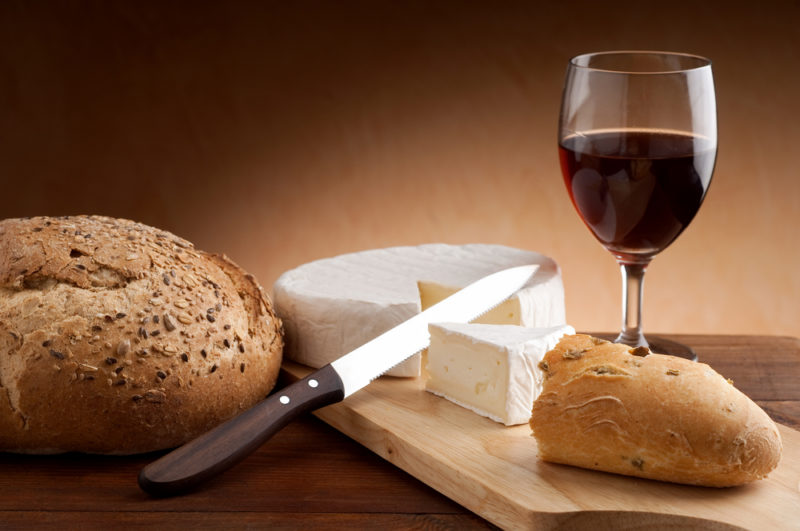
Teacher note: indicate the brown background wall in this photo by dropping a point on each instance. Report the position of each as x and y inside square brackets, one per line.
[282, 132]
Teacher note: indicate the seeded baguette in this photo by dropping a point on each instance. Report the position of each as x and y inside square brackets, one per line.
[119, 338]
[609, 407]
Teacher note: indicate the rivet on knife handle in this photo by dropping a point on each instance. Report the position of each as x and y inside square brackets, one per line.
[227, 444]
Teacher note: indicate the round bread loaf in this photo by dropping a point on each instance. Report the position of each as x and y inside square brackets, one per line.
[610, 407]
[119, 338]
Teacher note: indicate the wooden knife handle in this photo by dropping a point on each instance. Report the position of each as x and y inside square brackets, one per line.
[227, 444]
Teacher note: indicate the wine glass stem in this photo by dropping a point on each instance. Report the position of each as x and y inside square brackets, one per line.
[632, 289]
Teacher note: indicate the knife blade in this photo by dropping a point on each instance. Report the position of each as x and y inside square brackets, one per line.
[219, 449]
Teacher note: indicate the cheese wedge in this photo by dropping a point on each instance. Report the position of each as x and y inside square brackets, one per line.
[490, 369]
[331, 306]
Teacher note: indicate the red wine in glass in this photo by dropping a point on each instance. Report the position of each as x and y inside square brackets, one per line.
[636, 190]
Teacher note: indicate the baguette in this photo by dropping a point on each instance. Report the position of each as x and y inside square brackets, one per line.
[118, 338]
[609, 407]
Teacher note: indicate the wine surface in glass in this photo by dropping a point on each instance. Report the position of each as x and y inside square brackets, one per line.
[637, 190]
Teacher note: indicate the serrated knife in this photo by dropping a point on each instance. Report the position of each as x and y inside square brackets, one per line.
[227, 444]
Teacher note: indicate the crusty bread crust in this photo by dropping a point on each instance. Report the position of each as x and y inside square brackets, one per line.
[659, 417]
[119, 338]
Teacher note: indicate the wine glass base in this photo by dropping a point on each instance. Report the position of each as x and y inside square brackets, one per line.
[660, 345]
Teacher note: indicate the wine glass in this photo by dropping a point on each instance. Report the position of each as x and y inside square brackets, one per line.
[637, 142]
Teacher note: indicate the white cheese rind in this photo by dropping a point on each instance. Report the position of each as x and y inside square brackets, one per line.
[331, 306]
[490, 369]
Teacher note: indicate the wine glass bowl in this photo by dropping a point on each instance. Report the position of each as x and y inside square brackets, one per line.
[637, 146]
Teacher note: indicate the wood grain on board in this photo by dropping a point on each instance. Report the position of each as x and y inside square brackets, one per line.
[493, 470]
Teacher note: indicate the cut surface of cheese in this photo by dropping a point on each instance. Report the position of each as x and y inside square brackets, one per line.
[490, 369]
[331, 306]
[511, 311]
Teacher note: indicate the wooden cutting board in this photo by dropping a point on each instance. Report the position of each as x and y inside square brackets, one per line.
[493, 470]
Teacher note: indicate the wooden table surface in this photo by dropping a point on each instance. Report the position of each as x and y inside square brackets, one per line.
[311, 476]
